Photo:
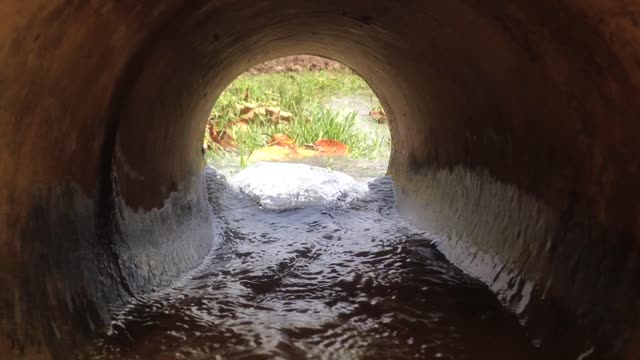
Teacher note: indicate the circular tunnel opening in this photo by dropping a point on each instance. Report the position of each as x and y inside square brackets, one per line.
[299, 109]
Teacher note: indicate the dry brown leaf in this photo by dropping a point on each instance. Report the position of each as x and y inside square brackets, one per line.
[286, 116]
[242, 124]
[272, 110]
[223, 138]
[244, 108]
[213, 134]
[277, 114]
[227, 141]
[249, 115]
[378, 115]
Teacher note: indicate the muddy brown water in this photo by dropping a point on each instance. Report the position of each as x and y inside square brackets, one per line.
[348, 282]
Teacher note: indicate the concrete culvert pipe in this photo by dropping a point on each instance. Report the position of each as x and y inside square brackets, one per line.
[515, 143]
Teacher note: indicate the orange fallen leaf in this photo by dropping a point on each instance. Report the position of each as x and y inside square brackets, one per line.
[331, 147]
[281, 140]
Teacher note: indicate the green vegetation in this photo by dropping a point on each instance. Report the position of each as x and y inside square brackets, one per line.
[256, 107]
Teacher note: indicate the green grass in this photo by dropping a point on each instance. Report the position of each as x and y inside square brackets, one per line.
[305, 95]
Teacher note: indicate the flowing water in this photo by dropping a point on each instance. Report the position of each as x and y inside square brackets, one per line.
[343, 282]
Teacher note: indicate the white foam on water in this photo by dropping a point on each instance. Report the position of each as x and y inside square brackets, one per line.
[283, 186]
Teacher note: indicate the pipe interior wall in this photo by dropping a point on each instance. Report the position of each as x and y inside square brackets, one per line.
[514, 132]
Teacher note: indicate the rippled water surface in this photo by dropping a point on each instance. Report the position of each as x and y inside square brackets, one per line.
[354, 282]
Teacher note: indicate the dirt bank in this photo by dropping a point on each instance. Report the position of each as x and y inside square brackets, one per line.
[297, 63]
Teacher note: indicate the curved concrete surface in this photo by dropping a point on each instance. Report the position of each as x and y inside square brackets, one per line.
[515, 141]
